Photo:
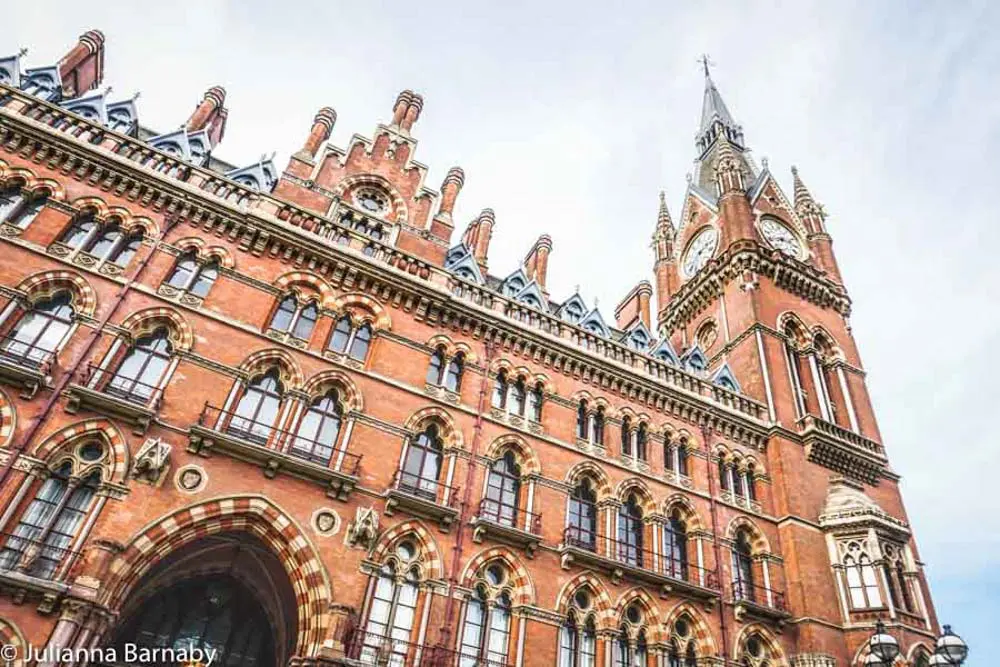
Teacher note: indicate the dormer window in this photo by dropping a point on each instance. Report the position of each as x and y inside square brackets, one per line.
[119, 120]
[513, 287]
[4, 76]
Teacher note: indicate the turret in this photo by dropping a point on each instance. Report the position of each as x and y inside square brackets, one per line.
[814, 218]
[665, 262]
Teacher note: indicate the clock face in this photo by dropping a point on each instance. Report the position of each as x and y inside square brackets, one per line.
[700, 250]
[780, 237]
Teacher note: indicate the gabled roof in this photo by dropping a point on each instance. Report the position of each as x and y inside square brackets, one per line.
[127, 110]
[49, 80]
[639, 332]
[532, 295]
[724, 377]
[514, 283]
[90, 105]
[260, 175]
[694, 360]
[460, 261]
[665, 351]
[575, 302]
[10, 70]
[594, 322]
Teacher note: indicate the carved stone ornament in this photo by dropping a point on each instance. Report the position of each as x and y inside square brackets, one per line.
[813, 660]
[363, 531]
[152, 460]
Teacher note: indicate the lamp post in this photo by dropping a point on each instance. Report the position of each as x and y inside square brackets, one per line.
[951, 650]
[883, 648]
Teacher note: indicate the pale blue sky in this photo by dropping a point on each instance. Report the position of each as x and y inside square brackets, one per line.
[569, 117]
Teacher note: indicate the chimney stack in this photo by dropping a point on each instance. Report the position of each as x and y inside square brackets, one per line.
[210, 113]
[536, 264]
[406, 111]
[83, 67]
[321, 128]
[477, 236]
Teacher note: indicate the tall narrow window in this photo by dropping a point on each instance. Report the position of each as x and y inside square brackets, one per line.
[17, 210]
[257, 409]
[422, 466]
[486, 631]
[285, 314]
[751, 485]
[40, 331]
[682, 460]
[436, 367]
[743, 568]
[140, 373]
[577, 646]
[737, 479]
[675, 546]
[500, 390]
[723, 474]
[453, 376]
[10, 200]
[599, 426]
[862, 581]
[183, 271]
[362, 340]
[341, 334]
[535, 399]
[794, 372]
[627, 437]
[628, 654]
[641, 438]
[582, 516]
[630, 537]
[306, 321]
[204, 279]
[316, 438]
[503, 490]
[518, 397]
[79, 231]
[123, 252]
[390, 616]
[581, 420]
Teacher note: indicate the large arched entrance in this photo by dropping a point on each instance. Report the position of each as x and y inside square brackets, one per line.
[226, 592]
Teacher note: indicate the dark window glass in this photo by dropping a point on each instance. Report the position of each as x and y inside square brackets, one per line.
[503, 490]
[675, 547]
[78, 231]
[630, 532]
[682, 461]
[518, 395]
[535, 404]
[582, 516]
[453, 379]
[599, 426]
[581, 420]
[626, 437]
[361, 342]
[341, 334]
[500, 390]
[743, 568]
[422, 465]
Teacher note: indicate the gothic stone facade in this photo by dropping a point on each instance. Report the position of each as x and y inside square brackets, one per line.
[295, 417]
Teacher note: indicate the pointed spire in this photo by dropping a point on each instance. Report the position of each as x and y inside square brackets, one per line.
[715, 117]
[663, 220]
[663, 237]
[808, 208]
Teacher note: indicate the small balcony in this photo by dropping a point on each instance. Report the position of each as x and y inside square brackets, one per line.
[620, 560]
[507, 524]
[275, 450]
[423, 497]
[366, 648]
[758, 602]
[31, 568]
[106, 392]
[24, 365]
[841, 450]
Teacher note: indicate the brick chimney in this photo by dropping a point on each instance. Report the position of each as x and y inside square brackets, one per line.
[210, 113]
[536, 263]
[83, 67]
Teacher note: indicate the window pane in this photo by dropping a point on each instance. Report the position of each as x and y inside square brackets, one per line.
[105, 242]
[283, 316]
[10, 199]
[454, 376]
[206, 278]
[78, 232]
[341, 334]
[359, 347]
[434, 369]
[307, 320]
[182, 273]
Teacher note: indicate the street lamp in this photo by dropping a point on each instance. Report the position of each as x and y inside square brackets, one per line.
[951, 649]
[882, 647]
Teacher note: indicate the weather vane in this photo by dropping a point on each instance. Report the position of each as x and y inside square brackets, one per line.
[706, 62]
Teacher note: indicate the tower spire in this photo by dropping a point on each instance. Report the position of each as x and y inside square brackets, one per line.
[717, 127]
[814, 218]
[664, 264]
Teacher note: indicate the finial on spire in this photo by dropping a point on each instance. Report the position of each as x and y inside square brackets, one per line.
[137, 95]
[107, 91]
[706, 62]
[23, 52]
[805, 205]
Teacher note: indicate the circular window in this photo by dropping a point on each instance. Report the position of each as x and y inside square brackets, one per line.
[634, 615]
[92, 451]
[371, 201]
[582, 599]
[405, 550]
[495, 575]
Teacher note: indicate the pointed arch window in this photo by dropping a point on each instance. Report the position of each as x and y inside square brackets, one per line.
[257, 410]
[421, 472]
[436, 367]
[598, 427]
[862, 581]
[391, 616]
[486, 630]
[500, 390]
[362, 340]
[630, 532]
[453, 375]
[341, 334]
[518, 397]
[17, 209]
[682, 460]
[577, 646]
[39, 333]
[503, 490]
[581, 420]
[641, 440]
[896, 579]
[317, 435]
[348, 338]
[724, 475]
[41, 540]
[581, 516]
[627, 437]
[139, 376]
[743, 577]
[750, 484]
[628, 653]
[675, 546]
[295, 318]
[535, 399]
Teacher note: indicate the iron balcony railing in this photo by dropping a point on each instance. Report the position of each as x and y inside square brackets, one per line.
[132, 390]
[510, 516]
[18, 352]
[268, 436]
[367, 648]
[36, 558]
[747, 591]
[425, 488]
[639, 557]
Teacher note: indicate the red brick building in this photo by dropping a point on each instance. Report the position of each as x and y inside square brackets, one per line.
[298, 419]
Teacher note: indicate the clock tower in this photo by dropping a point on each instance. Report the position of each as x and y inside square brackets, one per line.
[748, 276]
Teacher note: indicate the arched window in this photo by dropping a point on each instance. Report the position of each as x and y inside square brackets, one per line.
[500, 390]
[17, 209]
[40, 331]
[581, 420]
[598, 431]
[737, 480]
[675, 546]
[754, 653]
[641, 438]
[743, 578]
[485, 637]
[204, 279]
[217, 612]
[518, 397]
[140, 374]
[535, 399]
[750, 484]
[630, 533]
[341, 334]
[627, 437]
[723, 474]
[577, 646]
[793, 359]
[318, 432]
[80, 231]
[422, 466]
[295, 318]
[581, 516]
[436, 367]
[629, 653]
[355, 341]
[183, 272]
[453, 376]
[895, 575]
[391, 613]
[862, 581]
[257, 409]
[503, 490]
[682, 460]
[40, 542]
[920, 659]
